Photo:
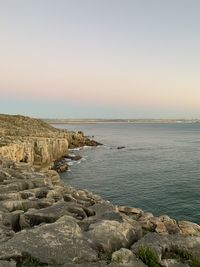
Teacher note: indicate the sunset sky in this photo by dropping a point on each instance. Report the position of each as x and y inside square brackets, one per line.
[100, 58]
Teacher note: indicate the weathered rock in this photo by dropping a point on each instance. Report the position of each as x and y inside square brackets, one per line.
[60, 166]
[125, 257]
[189, 228]
[7, 264]
[46, 242]
[173, 263]
[73, 157]
[112, 235]
[130, 210]
[53, 213]
[170, 243]
[86, 264]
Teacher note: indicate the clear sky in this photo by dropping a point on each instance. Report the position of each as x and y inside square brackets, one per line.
[100, 58]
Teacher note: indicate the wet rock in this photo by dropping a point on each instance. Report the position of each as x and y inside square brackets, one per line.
[73, 157]
[60, 166]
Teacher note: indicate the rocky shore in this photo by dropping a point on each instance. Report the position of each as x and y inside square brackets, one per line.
[44, 222]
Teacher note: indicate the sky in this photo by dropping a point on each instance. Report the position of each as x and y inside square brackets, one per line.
[100, 58]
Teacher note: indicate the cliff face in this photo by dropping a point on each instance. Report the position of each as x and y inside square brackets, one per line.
[36, 151]
[23, 139]
[30, 140]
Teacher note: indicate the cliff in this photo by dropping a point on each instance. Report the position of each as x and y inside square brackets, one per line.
[23, 139]
[44, 222]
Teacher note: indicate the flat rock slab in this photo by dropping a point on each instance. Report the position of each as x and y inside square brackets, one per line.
[53, 244]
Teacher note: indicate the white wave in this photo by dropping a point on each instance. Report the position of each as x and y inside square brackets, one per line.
[70, 163]
[75, 149]
[87, 147]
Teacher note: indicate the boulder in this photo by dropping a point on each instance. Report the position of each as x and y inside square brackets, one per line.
[125, 257]
[169, 243]
[189, 228]
[46, 242]
[112, 235]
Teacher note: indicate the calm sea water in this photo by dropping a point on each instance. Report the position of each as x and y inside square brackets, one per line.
[158, 171]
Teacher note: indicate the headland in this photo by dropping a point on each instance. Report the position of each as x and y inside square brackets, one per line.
[44, 222]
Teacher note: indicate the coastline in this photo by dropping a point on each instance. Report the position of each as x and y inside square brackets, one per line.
[125, 121]
[76, 227]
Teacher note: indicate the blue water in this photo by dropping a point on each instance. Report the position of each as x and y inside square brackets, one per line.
[158, 171]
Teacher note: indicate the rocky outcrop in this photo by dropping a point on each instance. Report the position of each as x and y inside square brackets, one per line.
[44, 222]
[33, 141]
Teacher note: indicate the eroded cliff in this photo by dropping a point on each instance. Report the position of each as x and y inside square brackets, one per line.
[23, 139]
[44, 222]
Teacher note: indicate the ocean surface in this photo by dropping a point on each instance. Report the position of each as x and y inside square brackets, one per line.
[158, 170]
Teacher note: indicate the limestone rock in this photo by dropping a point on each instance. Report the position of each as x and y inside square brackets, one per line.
[125, 257]
[189, 228]
[112, 235]
[7, 264]
[161, 243]
[46, 242]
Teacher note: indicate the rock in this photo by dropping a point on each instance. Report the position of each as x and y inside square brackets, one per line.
[7, 264]
[145, 222]
[53, 213]
[46, 242]
[173, 263]
[91, 264]
[189, 228]
[160, 228]
[130, 211]
[172, 227]
[61, 166]
[73, 157]
[102, 208]
[169, 243]
[123, 256]
[112, 235]
[120, 147]
[77, 139]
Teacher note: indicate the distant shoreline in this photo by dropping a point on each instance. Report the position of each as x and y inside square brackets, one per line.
[101, 121]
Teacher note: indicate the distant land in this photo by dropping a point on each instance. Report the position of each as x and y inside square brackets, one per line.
[90, 121]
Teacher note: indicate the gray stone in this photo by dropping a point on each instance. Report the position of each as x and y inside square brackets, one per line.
[173, 263]
[7, 264]
[55, 243]
[161, 243]
[112, 235]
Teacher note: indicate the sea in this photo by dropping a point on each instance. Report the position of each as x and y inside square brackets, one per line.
[158, 170]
